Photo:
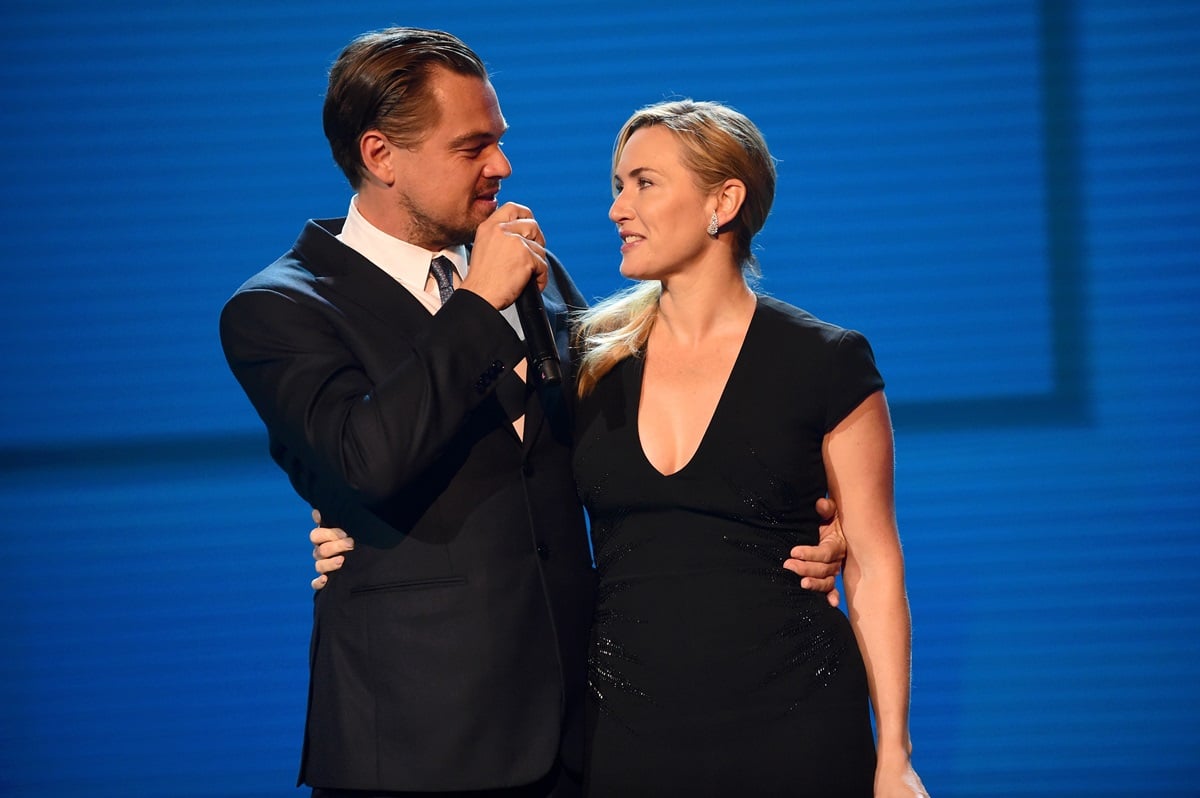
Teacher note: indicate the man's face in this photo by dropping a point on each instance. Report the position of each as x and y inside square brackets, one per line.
[447, 184]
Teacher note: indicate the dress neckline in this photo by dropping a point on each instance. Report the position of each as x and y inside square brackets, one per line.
[721, 400]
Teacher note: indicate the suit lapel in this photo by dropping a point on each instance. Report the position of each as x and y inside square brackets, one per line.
[341, 269]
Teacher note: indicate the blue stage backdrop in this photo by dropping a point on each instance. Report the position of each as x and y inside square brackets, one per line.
[1004, 196]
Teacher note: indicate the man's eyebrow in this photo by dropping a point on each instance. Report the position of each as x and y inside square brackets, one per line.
[479, 137]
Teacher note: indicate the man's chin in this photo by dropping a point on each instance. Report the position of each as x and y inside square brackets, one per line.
[481, 209]
[477, 217]
[463, 234]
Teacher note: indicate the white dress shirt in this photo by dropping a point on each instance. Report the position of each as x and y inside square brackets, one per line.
[407, 263]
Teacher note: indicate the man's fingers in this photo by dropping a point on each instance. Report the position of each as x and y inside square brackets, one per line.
[319, 582]
[817, 554]
[511, 211]
[518, 220]
[826, 509]
[814, 579]
[823, 585]
[813, 568]
[833, 597]
[527, 229]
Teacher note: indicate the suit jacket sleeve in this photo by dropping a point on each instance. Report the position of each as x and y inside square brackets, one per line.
[303, 365]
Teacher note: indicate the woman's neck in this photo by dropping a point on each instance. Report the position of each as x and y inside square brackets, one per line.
[693, 307]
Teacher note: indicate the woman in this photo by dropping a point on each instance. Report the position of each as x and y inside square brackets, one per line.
[710, 421]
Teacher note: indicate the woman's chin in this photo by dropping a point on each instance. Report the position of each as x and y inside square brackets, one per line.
[633, 272]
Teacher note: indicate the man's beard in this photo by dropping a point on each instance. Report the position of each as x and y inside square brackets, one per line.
[434, 234]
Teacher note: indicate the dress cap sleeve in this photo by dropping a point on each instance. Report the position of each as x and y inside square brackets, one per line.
[852, 377]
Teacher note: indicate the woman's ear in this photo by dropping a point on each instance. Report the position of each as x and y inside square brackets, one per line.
[730, 197]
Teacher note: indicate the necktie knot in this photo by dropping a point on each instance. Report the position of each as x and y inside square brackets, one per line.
[443, 270]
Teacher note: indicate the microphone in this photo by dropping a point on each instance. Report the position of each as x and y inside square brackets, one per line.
[539, 337]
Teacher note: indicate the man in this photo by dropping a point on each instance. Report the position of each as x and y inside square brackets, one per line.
[449, 653]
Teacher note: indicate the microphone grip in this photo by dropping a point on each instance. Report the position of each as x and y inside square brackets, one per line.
[539, 337]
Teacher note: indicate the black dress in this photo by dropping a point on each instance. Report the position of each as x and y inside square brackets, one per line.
[712, 672]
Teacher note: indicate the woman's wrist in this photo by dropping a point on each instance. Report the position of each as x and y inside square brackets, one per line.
[898, 750]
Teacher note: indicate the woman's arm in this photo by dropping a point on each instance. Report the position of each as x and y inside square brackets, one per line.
[858, 455]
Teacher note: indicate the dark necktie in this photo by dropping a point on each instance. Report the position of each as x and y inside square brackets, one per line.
[443, 270]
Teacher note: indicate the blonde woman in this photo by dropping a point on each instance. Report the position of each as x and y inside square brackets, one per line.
[710, 420]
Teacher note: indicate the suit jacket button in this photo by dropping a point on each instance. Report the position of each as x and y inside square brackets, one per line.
[543, 551]
[527, 468]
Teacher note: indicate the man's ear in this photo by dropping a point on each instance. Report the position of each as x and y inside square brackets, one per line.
[376, 153]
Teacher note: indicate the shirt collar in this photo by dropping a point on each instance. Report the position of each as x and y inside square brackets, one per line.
[406, 263]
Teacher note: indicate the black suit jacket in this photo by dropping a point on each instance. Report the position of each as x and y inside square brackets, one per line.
[449, 652]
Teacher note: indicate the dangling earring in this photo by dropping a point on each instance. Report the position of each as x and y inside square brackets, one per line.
[713, 225]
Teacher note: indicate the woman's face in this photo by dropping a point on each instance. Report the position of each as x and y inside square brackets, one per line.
[661, 216]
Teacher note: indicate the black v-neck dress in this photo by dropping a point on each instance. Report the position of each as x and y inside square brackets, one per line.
[712, 672]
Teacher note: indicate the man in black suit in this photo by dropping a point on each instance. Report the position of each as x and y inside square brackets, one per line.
[384, 357]
[449, 655]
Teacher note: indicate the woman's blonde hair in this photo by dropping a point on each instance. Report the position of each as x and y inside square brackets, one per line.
[717, 143]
